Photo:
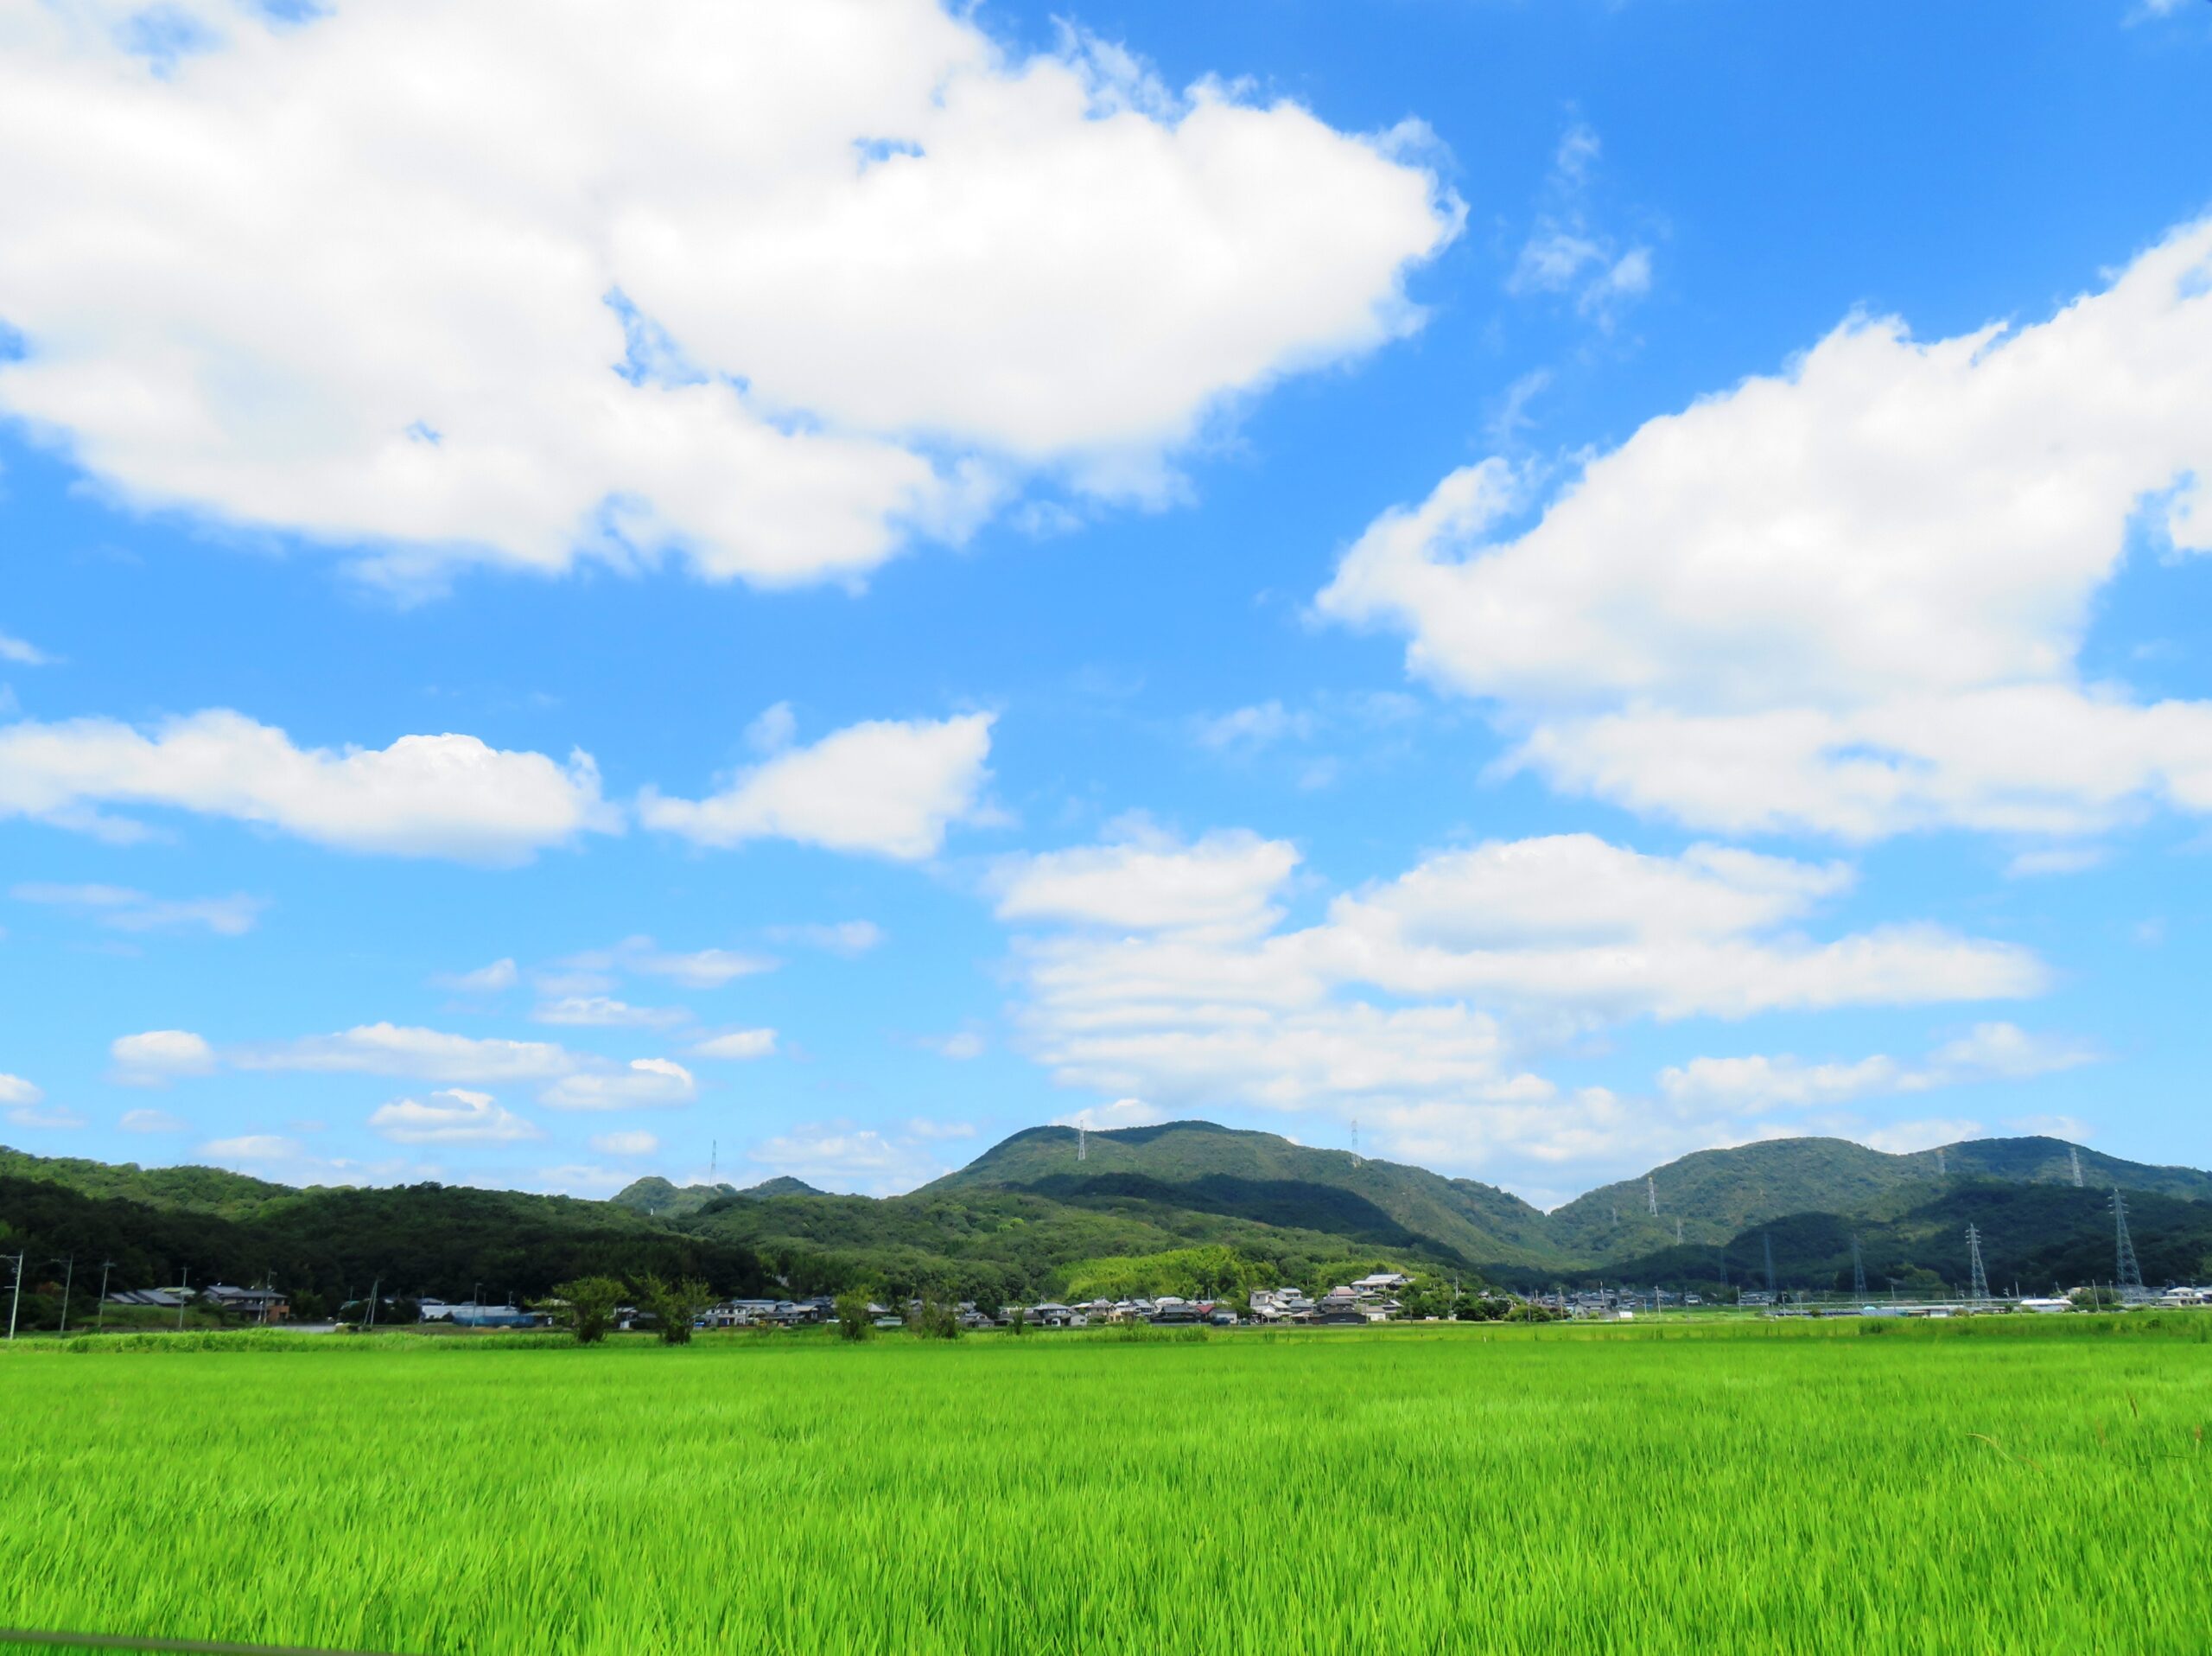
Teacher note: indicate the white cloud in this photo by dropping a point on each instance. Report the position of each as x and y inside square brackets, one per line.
[920, 1128]
[1907, 1138]
[1850, 598]
[1147, 880]
[451, 1117]
[13, 651]
[644, 1083]
[599, 1012]
[2058, 859]
[1999, 1051]
[837, 1155]
[152, 1121]
[2067, 1127]
[2007, 1052]
[1567, 253]
[588, 973]
[624, 1144]
[580, 1178]
[54, 1120]
[739, 1044]
[423, 796]
[1256, 726]
[485, 980]
[156, 1057]
[850, 937]
[126, 910]
[771, 287]
[14, 1089]
[1122, 1113]
[273, 1155]
[886, 787]
[410, 1052]
[1417, 1002]
[960, 1046]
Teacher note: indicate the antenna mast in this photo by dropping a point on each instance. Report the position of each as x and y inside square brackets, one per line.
[2130, 1282]
[1978, 1286]
[1858, 1272]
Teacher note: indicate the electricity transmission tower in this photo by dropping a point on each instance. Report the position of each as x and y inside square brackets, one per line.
[1651, 1195]
[1767, 1237]
[1356, 1162]
[1978, 1282]
[2074, 1156]
[1678, 1233]
[1858, 1273]
[1082, 1142]
[1941, 1172]
[2130, 1275]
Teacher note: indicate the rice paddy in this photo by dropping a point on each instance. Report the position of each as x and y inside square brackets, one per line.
[1988, 1486]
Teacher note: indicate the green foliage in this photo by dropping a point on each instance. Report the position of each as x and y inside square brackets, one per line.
[935, 1319]
[588, 1306]
[1213, 1272]
[674, 1305]
[854, 1321]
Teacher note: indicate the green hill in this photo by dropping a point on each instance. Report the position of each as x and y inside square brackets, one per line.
[1716, 1193]
[1197, 1167]
[1030, 1213]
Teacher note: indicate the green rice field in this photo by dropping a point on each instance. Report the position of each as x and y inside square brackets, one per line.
[2000, 1485]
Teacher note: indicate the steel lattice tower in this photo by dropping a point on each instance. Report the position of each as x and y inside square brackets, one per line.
[1858, 1272]
[1651, 1195]
[2130, 1275]
[1978, 1285]
[1767, 1237]
[1942, 1171]
[1082, 1142]
[2074, 1156]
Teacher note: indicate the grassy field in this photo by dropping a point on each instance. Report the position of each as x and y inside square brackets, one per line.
[2039, 1485]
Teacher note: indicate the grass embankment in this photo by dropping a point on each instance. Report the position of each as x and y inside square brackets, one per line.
[2020, 1485]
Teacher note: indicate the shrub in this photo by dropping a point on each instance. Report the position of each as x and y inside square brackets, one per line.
[937, 1319]
[590, 1303]
[855, 1321]
[674, 1305]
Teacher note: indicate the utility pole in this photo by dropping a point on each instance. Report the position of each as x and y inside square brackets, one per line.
[68, 1282]
[2130, 1285]
[1858, 1273]
[183, 1297]
[18, 1305]
[99, 1324]
[374, 1288]
[1978, 1284]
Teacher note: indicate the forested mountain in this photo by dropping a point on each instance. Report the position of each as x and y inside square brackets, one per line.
[1041, 1208]
[1716, 1193]
[1195, 1166]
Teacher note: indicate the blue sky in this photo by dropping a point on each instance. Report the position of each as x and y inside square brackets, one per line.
[807, 588]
